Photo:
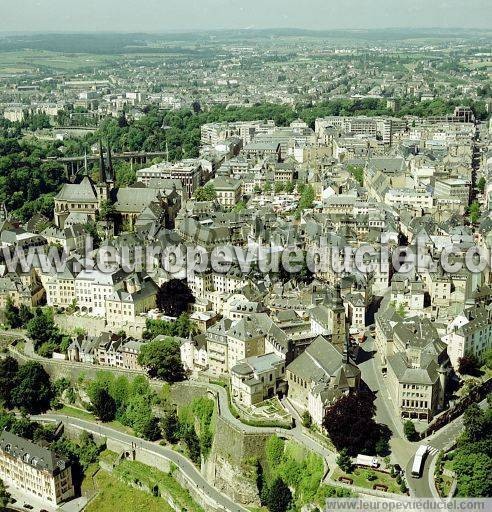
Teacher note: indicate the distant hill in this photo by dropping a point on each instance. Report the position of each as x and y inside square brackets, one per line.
[120, 43]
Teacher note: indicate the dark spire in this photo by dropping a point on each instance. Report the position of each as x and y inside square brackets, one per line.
[347, 343]
[86, 166]
[102, 165]
[110, 176]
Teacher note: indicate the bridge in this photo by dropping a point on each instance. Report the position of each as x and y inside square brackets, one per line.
[73, 164]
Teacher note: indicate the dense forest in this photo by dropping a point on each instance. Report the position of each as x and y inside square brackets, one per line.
[28, 183]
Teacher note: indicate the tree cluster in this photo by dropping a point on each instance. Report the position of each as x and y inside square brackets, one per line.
[193, 426]
[26, 387]
[173, 297]
[289, 477]
[206, 193]
[45, 335]
[27, 184]
[129, 402]
[472, 460]
[182, 327]
[350, 425]
[162, 358]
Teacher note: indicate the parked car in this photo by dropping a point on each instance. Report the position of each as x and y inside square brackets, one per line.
[29, 507]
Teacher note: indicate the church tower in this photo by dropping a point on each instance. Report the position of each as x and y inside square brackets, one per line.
[336, 318]
[106, 174]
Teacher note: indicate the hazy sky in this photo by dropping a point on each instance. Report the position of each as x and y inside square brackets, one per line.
[164, 15]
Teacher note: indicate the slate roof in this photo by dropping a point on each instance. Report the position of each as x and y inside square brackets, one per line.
[31, 453]
[83, 191]
[320, 361]
[134, 200]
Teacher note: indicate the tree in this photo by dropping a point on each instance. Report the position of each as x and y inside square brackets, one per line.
[350, 424]
[409, 430]
[357, 172]
[8, 375]
[279, 497]
[488, 358]
[279, 187]
[12, 316]
[468, 365]
[474, 212]
[88, 450]
[151, 430]
[473, 472]
[274, 450]
[206, 193]
[475, 423]
[382, 446]
[307, 199]
[102, 403]
[239, 207]
[139, 416]
[481, 184]
[173, 297]
[344, 461]
[170, 427]
[107, 210]
[192, 442]
[403, 486]
[25, 314]
[162, 358]
[4, 496]
[42, 329]
[307, 421]
[289, 187]
[32, 391]
[267, 188]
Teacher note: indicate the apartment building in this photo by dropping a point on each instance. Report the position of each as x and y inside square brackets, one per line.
[228, 191]
[35, 470]
[453, 188]
[418, 367]
[470, 333]
[188, 171]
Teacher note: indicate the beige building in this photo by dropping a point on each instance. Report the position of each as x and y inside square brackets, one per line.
[418, 367]
[35, 470]
[216, 338]
[228, 191]
[244, 339]
[470, 333]
[258, 378]
[124, 306]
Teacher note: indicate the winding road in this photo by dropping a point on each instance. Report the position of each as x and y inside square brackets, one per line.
[403, 451]
[187, 469]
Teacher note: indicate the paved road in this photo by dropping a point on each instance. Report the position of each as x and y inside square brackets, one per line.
[441, 440]
[372, 376]
[296, 433]
[185, 466]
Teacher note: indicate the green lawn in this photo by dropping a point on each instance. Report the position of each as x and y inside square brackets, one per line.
[131, 471]
[359, 477]
[74, 412]
[115, 495]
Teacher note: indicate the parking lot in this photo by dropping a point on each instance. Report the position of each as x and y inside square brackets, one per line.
[29, 503]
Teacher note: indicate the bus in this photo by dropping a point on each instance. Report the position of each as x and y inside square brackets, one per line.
[418, 461]
[366, 461]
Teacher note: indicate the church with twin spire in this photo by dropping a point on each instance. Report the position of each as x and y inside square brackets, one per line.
[81, 203]
[138, 204]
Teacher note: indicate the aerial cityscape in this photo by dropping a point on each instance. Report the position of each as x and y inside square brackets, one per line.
[245, 267]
